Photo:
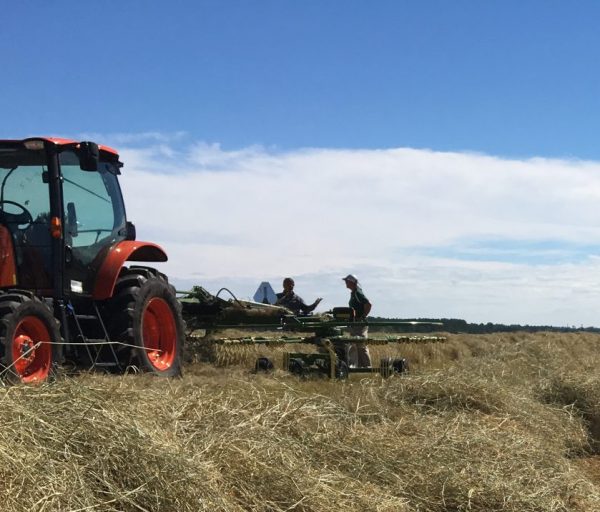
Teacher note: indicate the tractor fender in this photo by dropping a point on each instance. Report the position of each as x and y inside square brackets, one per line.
[118, 254]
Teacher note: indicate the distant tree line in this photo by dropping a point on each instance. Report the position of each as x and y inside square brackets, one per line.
[456, 325]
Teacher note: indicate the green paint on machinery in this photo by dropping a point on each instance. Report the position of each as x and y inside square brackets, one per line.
[201, 310]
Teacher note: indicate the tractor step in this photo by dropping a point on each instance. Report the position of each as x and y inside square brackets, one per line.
[96, 348]
[86, 317]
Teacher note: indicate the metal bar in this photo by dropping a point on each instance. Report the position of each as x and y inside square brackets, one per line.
[308, 326]
[249, 340]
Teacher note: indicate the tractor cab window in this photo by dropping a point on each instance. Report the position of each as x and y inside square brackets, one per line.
[94, 216]
[25, 212]
[24, 196]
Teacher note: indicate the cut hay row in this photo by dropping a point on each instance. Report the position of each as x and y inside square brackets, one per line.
[486, 423]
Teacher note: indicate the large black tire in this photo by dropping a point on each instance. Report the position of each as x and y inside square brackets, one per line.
[146, 314]
[29, 338]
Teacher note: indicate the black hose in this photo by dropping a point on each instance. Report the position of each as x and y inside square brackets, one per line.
[230, 293]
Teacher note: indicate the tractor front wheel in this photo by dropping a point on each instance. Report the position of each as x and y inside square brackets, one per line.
[29, 338]
[147, 316]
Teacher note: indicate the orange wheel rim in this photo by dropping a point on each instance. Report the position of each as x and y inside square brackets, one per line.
[159, 334]
[31, 350]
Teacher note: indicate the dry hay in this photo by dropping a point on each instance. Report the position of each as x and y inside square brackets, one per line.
[508, 422]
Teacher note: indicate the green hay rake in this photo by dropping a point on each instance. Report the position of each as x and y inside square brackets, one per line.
[326, 333]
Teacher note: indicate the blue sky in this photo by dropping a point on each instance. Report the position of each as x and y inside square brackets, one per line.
[446, 152]
[510, 78]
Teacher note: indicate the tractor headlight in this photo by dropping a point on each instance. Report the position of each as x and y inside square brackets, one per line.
[34, 145]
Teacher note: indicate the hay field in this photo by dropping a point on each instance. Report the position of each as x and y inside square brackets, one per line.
[482, 423]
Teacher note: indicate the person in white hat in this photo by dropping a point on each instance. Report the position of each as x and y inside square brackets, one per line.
[358, 353]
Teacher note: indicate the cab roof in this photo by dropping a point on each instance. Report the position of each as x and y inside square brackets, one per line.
[59, 142]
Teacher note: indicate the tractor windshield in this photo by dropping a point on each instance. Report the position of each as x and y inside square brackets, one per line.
[94, 211]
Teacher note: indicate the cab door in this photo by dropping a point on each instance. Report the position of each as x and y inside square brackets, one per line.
[93, 220]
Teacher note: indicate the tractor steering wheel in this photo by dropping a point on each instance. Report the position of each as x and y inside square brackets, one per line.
[24, 217]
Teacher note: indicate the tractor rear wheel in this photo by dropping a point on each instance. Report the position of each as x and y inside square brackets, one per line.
[147, 315]
[29, 338]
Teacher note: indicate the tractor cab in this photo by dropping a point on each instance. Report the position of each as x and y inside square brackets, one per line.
[61, 209]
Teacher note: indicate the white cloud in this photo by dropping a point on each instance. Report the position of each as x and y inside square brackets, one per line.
[234, 218]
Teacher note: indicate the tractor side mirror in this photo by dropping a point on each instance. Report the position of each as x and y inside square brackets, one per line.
[89, 156]
[130, 231]
[71, 220]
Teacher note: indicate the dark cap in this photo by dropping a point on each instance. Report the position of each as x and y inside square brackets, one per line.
[350, 277]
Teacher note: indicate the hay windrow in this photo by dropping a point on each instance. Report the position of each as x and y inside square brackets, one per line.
[485, 423]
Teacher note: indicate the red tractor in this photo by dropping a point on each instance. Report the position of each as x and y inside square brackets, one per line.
[65, 292]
